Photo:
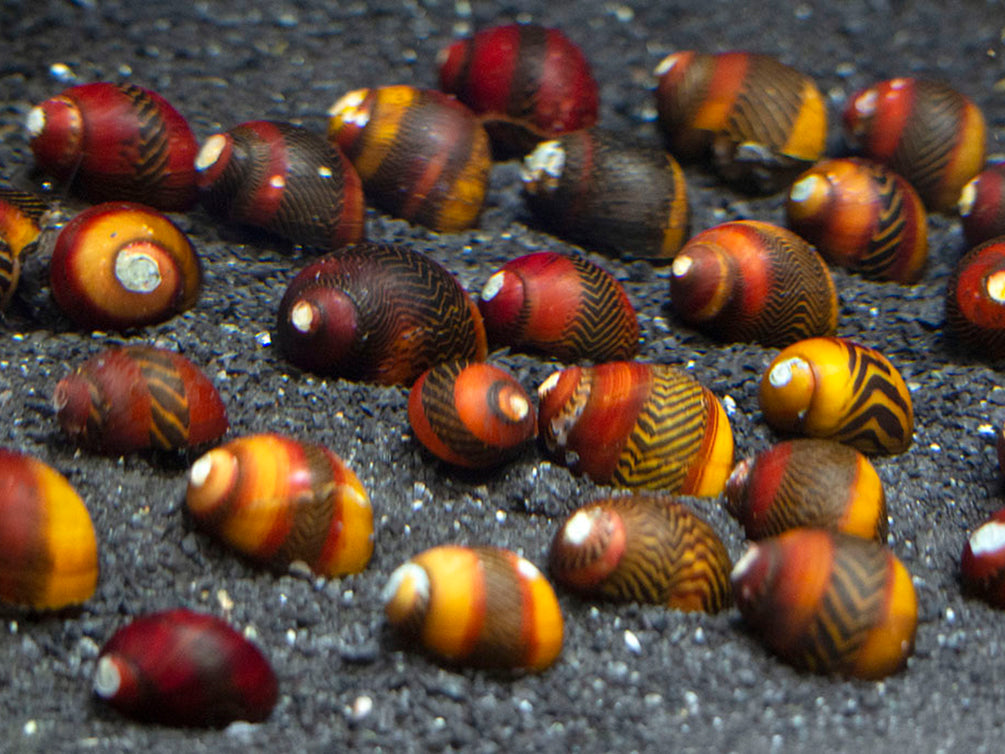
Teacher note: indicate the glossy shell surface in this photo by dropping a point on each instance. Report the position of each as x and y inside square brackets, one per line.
[20, 215]
[982, 205]
[982, 563]
[975, 301]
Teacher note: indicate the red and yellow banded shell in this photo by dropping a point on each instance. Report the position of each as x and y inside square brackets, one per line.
[20, 217]
[982, 563]
[479, 606]
[975, 300]
[982, 205]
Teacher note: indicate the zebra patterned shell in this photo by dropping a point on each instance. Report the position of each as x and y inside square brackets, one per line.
[20, 215]
[924, 130]
[139, 397]
[837, 389]
[632, 424]
[863, 216]
[645, 548]
[982, 205]
[828, 602]
[379, 313]
[975, 300]
[561, 306]
[753, 281]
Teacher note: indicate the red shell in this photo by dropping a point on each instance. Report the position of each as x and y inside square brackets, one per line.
[116, 141]
[982, 205]
[975, 300]
[982, 564]
[184, 668]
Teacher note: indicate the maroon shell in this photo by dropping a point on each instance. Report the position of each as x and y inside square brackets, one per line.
[982, 205]
[975, 300]
[982, 564]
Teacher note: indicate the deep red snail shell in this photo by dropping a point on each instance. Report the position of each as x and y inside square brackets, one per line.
[982, 563]
[975, 300]
[479, 606]
[137, 397]
[422, 156]
[277, 501]
[527, 82]
[283, 179]
[116, 142]
[924, 130]
[184, 668]
[646, 548]
[593, 188]
[379, 313]
[863, 216]
[982, 205]
[48, 549]
[753, 281]
[561, 306]
[633, 424]
[807, 482]
[20, 217]
[121, 265]
[473, 415]
[828, 602]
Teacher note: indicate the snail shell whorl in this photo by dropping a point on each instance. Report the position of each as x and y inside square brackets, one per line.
[982, 205]
[975, 300]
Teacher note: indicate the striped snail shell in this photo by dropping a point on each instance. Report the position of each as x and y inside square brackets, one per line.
[471, 414]
[632, 424]
[828, 602]
[646, 548]
[115, 142]
[752, 281]
[20, 218]
[926, 131]
[48, 550]
[422, 156]
[283, 179]
[122, 265]
[477, 606]
[561, 306]
[807, 482]
[277, 501]
[594, 189]
[863, 216]
[837, 389]
[982, 564]
[982, 205]
[184, 668]
[379, 313]
[975, 300]
[759, 120]
[527, 83]
[138, 397]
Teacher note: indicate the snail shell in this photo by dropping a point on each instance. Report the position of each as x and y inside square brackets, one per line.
[423, 156]
[759, 120]
[184, 668]
[924, 130]
[982, 564]
[379, 313]
[632, 424]
[863, 216]
[479, 606]
[753, 281]
[116, 141]
[975, 300]
[20, 217]
[121, 265]
[276, 501]
[138, 397]
[471, 414]
[592, 188]
[561, 306]
[807, 482]
[837, 389]
[982, 205]
[48, 550]
[284, 179]
[527, 82]
[828, 602]
[645, 548]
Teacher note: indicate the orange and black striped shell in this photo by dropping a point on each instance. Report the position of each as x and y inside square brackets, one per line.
[982, 205]
[828, 602]
[807, 482]
[753, 281]
[863, 216]
[759, 120]
[422, 155]
[646, 548]
[20, 218]
[277, 500]
[478, 606]
[840, 390]
[560, 306]
[116, 142]
[378, 313]
[48, 549]
[138, 397]
[471, 414]
[975, 300]
[632, 424]
[284, 179]
[593, 188]
[924, 130]
[982, 562]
